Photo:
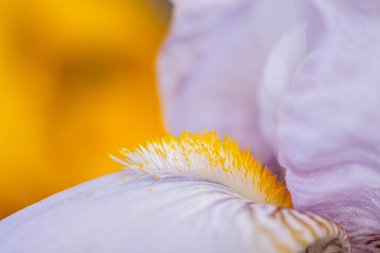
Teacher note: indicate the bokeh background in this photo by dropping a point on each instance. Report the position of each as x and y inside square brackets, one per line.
[77, 83]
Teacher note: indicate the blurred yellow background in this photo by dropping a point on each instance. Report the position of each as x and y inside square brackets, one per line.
[77, 83]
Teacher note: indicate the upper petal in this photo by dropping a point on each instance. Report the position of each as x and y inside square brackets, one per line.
[211, 65]
[329, 120]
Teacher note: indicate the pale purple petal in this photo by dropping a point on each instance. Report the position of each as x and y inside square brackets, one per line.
[212, 61]
[124, 212]
[329, 122]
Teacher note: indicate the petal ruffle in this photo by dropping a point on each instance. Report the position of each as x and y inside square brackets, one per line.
[124, 212]
[329, 121]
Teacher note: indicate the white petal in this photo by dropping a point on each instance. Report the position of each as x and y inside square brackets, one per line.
[123, 212]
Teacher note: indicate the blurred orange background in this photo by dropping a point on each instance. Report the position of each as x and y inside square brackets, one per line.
[77, 83]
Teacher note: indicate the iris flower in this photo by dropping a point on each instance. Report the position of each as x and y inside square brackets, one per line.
[297, 84]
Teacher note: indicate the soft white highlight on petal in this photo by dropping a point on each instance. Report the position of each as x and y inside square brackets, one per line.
[124, 212]
[280, 67]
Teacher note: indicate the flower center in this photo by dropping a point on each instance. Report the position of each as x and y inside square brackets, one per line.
[208, 157]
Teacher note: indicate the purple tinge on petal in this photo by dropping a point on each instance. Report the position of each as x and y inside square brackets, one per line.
[211, 65]
[328, 126]
[123, 212]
